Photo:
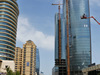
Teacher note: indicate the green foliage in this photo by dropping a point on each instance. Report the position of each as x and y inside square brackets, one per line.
[10, 72]
[17, 73]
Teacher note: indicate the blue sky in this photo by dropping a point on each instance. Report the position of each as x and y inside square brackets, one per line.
[36, 23]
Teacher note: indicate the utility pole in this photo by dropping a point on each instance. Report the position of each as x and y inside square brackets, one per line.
[59, 33]
[67, 48]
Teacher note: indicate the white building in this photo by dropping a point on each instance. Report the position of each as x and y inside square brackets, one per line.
[6, 63]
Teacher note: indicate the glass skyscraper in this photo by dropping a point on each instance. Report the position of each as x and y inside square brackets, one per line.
[62, 37]
[37, 61]
[79, 35]
[8, 26]
[59, 67]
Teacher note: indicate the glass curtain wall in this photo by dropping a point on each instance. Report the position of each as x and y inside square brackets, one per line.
[37, 61]
[79, 33]
[8, 26]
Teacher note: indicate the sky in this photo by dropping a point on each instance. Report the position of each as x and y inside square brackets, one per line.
[36, 23]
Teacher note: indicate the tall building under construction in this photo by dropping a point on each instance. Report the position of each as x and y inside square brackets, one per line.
[79, 38]
[60, 57]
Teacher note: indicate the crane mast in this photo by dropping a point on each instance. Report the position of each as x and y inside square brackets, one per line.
[67, 48]
[59, 33]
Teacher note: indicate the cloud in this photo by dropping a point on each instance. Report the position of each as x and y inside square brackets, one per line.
[26, 31]
[95, 2]
[57, 1]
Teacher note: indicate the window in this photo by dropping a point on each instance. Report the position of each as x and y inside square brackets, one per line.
[27, 63]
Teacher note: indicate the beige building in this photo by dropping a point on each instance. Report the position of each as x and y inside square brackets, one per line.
[91, 69]
[29, 58]
[18, 59]
[25, 59]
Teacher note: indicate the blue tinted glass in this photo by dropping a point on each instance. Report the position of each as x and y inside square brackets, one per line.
[4, 50]
[37, 61]
[79, 34]
[6, 38]
[8, 24]
[2, 34]
[27, 63]
[5, 27]
[7, 32]
[4, 46]
[11, 25]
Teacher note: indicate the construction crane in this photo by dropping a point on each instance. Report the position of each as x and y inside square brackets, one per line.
[67, 48]
[85, 17]
[59, 33]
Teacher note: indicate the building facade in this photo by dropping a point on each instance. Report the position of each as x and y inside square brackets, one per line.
[8, 26]
[79, 38]
[18, 59]
[60, 67]
[29, 58]
[37, 62]
[92, 70]
[79, 35]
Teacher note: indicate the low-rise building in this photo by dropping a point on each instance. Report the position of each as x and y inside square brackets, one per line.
[92, 70]
[4, 64]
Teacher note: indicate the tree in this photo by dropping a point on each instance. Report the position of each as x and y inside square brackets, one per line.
[17, 73]
[10, 72]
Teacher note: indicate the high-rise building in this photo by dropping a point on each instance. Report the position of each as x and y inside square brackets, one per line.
[29, 58]
[60, 67]
[79, 37]
[18, 59]
[8, 26]
[37, 61]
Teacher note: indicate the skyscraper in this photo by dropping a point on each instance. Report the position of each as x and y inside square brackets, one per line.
[29, 58]
[79, 37]
[37, 61]
[8, 26]
[60, 68]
